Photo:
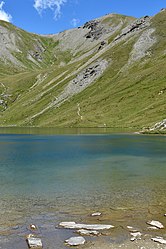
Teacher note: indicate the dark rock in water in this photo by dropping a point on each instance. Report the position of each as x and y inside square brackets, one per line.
[15, 228]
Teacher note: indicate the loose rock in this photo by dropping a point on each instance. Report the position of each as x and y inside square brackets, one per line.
[73, 225]
[155, 224]
[75, 241]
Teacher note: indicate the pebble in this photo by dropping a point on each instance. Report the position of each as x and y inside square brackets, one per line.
[33, 227]
[96, 214]
[75, 241]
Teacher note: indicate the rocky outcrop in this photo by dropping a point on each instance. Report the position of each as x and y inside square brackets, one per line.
[96, 29]
[159, 126]
[136, 26]
[37, 52]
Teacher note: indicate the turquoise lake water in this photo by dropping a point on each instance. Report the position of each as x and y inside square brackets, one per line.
[45, 179]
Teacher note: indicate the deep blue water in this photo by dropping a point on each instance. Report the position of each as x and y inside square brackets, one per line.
[47, 166]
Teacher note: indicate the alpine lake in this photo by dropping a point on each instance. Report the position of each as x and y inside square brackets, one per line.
[48, 176]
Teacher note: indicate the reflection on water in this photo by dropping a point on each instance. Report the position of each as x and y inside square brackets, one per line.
[68, 177]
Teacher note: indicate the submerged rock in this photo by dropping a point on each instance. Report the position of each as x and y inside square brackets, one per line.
[88, 232]
[75, 241]
[132, 229]
[155, 224]
[34, 242]
[159, 240]
[73, 225]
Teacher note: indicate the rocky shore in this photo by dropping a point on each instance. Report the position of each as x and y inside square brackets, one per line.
[96, 235]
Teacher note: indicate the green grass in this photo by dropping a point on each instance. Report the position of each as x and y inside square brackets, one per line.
[134, 98]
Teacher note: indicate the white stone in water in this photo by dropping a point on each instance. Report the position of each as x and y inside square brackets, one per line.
[135, 236]
[75, 241]
[159, 240]
[96, 214]
[129, 227]
[88, 232]
[155, 224]
[34, 242]
[73, 225]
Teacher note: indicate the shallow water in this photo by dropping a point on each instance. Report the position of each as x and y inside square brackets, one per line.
[45, 179]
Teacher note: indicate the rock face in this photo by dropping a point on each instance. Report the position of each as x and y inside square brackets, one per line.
[96, 30]
[159, 126]
[73, 225]
[75, 241]
[137, 25]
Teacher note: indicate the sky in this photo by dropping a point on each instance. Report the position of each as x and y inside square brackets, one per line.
[53, 16]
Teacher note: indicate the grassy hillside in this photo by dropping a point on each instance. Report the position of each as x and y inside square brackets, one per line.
[64, 84]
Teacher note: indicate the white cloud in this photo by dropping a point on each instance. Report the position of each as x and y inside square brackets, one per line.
[4, 15]
[54, 5]
[75, 22]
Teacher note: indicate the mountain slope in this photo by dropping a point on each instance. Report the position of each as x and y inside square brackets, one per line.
[109, 72]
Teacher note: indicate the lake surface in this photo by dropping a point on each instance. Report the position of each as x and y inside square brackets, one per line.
[46, 179]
